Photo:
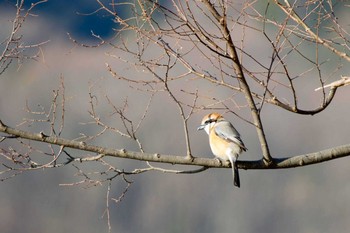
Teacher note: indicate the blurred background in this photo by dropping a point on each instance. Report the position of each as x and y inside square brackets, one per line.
[308, 199]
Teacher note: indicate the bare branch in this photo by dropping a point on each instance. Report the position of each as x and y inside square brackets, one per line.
[339, 83]
[288, 9]
[295, 161]
[13, 46]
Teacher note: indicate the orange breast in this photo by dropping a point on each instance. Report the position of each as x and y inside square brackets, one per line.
[223, 148]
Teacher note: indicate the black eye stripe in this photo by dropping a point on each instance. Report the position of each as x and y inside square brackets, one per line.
[209, 121]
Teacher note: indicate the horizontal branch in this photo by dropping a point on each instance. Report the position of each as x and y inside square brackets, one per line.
[277, 163]
[300, 160]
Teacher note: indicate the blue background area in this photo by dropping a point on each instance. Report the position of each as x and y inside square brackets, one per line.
[75, 17]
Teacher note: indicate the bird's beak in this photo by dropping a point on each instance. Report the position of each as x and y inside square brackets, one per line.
[201, 127]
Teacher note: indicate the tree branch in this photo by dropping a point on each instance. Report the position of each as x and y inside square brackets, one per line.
[241, 77]
[277, 163]
[288, 9]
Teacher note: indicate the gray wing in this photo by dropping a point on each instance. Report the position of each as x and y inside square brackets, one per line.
[226, 131]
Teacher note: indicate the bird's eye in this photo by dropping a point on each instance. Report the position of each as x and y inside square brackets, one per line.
[208, 121]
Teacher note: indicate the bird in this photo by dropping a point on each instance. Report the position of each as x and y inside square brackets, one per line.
[224, 140]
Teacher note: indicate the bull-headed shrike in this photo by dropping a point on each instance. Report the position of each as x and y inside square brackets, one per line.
[225, 141]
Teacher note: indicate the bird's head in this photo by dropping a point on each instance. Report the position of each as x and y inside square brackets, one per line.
[209, 121]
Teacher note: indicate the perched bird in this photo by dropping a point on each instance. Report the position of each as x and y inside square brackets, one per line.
[225, 141]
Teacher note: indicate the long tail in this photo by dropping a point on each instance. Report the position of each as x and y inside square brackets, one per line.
[236, 180]
[235, 173]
